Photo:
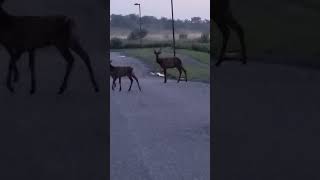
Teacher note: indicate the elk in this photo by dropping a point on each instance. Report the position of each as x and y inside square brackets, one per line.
[20, 34]
[121, 71]
[170, 62]
[225, 21]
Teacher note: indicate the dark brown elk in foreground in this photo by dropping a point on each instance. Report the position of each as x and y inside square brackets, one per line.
[224, 19]
[20, 34]
[170, 62]
[121, 71]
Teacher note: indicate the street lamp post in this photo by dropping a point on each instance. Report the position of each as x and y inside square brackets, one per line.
[137, 4]
[174, 41]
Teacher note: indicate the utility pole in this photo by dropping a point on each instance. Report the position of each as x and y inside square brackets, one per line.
[174, 41]
[137, 4]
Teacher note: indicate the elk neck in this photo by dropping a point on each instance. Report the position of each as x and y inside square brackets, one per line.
[5, 18]
[111, 67]
[157, 58]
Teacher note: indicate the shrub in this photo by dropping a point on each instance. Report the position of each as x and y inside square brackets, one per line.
[205, 38]
[201, 47]
[116, 43]
[136, 34]
[183, 36]
[147, 45]
[166, 36]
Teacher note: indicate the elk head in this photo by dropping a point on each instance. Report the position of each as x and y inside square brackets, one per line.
[110, 65]
[157, 53]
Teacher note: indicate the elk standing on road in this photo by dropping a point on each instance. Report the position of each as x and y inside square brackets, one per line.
[224, 19]
[121, 71]
[170, 62]
[20, 34]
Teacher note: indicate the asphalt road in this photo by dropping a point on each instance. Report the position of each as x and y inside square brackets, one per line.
[161, 133]
[47, 136]
[266, 122]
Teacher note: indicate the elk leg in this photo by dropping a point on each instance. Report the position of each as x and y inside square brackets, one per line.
[114, 83]
[16, 75]
[136, 81]
[131, 81]
[31, 66]
[70, 60]
[179, 69]
[165, 75]
[239, 30]
[120, 83]
[225, 35]
[12, 66]
[76, 47]
[185, 73]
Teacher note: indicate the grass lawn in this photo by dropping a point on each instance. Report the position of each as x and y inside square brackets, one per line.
[147, 43]
[196, 55]
[195, 72]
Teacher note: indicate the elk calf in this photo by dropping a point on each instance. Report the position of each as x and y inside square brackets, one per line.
[170, 62]
[19, 34]
[121, 71]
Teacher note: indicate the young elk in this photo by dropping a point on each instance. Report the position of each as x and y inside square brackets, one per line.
[224, 19]
[121, 71]
[20, 34]
[170, 62]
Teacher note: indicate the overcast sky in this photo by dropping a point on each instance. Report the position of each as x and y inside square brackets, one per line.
[183, 9]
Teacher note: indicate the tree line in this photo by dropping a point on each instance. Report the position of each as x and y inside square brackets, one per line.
[131, 21]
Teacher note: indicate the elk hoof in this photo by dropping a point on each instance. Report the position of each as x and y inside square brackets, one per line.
[32, 91]
[61, 91]
[15, 79]
[11, 89]
[96, 89]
